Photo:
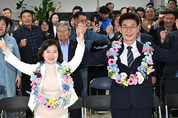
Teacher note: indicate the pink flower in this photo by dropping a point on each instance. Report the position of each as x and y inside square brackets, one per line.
[138, 68]
[62, 91]
[48, 107]
[135, 82]
[130, 81]
[119, 81]
[32, 87]
[152, 70]
[108, 53]
[39, 96]
[32, 83]
[114, 48]
[144, 50]
[117, 42]
[111, 61]
[67, 81]
[150, 62]
[42, 100]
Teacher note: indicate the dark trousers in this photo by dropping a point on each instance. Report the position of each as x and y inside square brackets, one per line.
[76, 113]
[131, 113]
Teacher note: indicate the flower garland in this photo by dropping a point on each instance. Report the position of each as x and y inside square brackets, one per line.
[143, 70]
[52, 103]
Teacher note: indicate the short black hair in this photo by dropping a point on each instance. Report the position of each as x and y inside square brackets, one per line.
[174, 1]
[149, 7]
[24, 11]
[5, 19]
[170, 11]
[109, 3]
[9, 21]
[43, 20]
[140, 9]
[77, 7]
[76, 15]
[98, 17]
[132, 16]
[140, 19]
[150, 4]
[104, 10]
[7, 9]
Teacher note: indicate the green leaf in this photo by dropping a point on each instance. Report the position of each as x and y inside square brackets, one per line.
[50, 4]
[36, 9]
[18, 6]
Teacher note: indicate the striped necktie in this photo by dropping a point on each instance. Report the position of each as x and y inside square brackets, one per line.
[130, 58]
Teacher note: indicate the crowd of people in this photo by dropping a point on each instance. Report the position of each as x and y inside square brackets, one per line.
[39, 57]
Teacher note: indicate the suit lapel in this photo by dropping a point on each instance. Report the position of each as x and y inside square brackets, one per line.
[71, 50]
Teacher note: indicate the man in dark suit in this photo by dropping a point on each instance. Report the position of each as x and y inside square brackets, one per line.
[29, 38]
[170, 72]
[68, 48]
[133, 101]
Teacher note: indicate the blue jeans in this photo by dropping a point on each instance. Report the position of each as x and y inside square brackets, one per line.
[84, 74]
[10, 114]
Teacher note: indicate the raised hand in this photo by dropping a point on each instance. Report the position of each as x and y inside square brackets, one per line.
[23, 43]
[3, 45]
[163, 35]
[109, 29]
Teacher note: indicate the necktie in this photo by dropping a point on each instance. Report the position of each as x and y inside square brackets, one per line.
[130, 58]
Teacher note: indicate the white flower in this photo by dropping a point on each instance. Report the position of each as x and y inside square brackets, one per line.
[124, 75]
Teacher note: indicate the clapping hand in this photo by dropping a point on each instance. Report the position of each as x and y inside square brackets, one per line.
[3, 45]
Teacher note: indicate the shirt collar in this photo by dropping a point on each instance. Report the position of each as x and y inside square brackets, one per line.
[26, 28]
[66, 43]
[2, 36]
[134, 46]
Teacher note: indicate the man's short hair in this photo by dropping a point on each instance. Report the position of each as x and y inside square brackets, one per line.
[98, 17]
[174, 1]
[7, 9]
[9, 21]
[26, 11]
[126, 16]
[76, 15]
[104, 10]
[170, 11]
[150, 4]
[140, 9]
[149, 7]
[77, 7]
[61, 23]
[109, 3]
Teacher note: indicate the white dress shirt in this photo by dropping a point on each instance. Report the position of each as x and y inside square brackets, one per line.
[123, 56]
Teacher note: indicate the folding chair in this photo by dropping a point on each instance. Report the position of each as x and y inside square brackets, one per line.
[97, 102]
[157, 104]
[14, 104]
[77, 105]
[171, 100]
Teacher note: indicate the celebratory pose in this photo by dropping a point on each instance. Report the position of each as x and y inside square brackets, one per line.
[52, 86]
[130, 63]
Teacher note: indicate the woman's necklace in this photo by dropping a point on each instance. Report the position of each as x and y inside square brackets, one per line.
[133, 79]
[52, 103]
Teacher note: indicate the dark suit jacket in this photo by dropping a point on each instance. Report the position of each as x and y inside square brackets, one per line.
[170, 68]
[156, 33]
[78, 84]
[139, 96]
[26, 52]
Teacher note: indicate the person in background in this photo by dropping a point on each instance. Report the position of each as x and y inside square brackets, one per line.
[172, 4]
[110, 5]
[29, 38]
[150, 4]
[131, 9]
[8, 13]
[10, 24]
[71, 21]
[148, 21]
[141, 11]
[104, 12]
[123, 10]
[77, 9]
[48, 14]
[44, 24]
[54, 19]
[10, 77]
[115, 23]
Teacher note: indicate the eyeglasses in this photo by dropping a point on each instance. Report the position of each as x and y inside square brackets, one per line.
[132, 27]
[62, 31]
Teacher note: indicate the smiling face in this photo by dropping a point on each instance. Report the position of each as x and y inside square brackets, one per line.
[169, 20]
[44, 27]
[7, 13]
[149, 13]
[27, 19]
[63, 33]
[129, 30]
[2, 27]
[50, 55]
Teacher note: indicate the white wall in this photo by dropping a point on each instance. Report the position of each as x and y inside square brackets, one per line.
[67, 5]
